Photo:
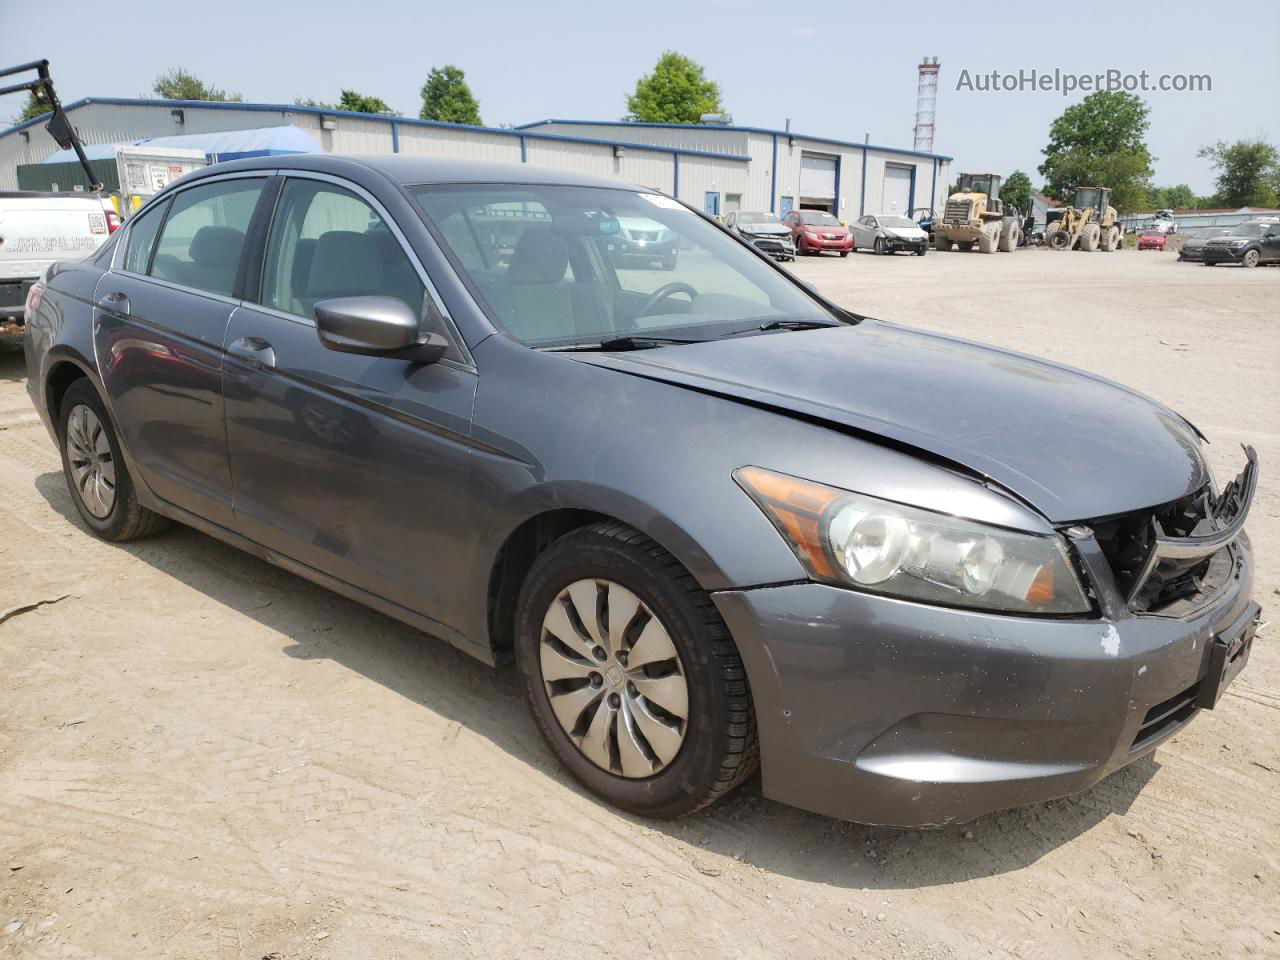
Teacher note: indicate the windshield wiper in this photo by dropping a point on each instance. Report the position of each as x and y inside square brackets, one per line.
[628, 342]
[781, 324]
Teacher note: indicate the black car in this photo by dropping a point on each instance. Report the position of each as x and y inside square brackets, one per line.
[1251, 243]
[1193, 247]
[764, 230]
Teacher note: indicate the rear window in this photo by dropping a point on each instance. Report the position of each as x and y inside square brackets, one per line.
[204, 234]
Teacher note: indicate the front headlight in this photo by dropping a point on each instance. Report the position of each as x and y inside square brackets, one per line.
[870, 544]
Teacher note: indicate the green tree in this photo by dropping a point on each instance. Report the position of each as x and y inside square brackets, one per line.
[676, 92]
[1016, 191]
[360, 103]
[34, 107]
[1248, 172]
[1100, 141]
[446, 96]
[179, 84]
[1178, 197]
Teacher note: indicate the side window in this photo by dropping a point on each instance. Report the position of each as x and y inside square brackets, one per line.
[142, 238]
[202, 239]
[327, 242]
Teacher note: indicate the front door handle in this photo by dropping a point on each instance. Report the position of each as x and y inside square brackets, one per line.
[115, 302]
[253, 350]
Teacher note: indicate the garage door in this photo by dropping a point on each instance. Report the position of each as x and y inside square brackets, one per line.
[897, 189]
[817, 176]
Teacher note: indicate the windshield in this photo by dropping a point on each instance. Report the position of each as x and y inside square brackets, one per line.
[819, 219]
[559, 265]
[757, 218]
[897, 222]
[1088, 197]
[971, 183]
[1247, 230]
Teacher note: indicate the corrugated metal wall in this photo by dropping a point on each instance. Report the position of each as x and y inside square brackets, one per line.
[712, 139]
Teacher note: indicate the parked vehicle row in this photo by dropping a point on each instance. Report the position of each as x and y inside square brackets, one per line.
[1252, 243]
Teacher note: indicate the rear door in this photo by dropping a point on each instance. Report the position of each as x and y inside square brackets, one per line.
[355, 466]
[161, 317]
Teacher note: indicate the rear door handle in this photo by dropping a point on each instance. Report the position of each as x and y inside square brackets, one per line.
[115, 302]
[253, 350]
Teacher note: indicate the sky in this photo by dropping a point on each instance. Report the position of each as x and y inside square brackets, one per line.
[838, 69]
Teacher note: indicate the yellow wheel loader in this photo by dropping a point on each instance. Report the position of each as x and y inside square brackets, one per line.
[1088, 224]
[974, 214]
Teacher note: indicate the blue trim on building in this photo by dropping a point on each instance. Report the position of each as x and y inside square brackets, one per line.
[524, 150]
[284, 108]
[765, 130]
[933, 187]
[773, 183]
[395, 136]
[911, 193]
[862, 193]
[675, 176]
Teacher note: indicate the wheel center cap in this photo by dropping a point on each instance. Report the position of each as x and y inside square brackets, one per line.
[613, 675]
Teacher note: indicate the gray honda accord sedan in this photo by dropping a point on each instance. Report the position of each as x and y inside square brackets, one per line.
[717, 521]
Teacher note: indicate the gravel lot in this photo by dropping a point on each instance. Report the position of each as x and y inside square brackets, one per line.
[204, 757]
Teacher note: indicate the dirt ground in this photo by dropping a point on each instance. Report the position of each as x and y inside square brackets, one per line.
[204, 757]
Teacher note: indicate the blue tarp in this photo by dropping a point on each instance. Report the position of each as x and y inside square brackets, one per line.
[224, 145]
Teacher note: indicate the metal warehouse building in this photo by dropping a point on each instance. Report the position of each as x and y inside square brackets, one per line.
[717, 168]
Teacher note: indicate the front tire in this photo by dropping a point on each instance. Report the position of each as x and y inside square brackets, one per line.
[97, 477]
[631, 675]
[1090, 236]
[941, 244]
[1251, 258]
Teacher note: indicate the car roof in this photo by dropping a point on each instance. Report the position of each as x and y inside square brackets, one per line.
[404, 169]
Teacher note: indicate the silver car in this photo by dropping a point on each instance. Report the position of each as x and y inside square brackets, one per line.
[889, 233]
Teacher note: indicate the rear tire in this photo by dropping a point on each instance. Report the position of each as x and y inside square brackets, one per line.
[97, 477]
[1110, 239]
[695, 759]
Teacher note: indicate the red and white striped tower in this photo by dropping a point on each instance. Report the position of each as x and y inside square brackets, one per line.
[926, 103]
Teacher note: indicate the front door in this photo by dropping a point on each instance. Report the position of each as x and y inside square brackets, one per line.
[352, 465]
[159, 324]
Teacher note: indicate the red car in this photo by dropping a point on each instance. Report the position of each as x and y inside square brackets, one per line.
[814, 231]
[1152, 240]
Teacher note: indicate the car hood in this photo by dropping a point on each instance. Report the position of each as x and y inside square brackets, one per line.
[1073, 445]
[906, 233]
[810, 228]
[774, 229]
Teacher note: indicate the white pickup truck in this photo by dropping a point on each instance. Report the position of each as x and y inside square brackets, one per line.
[37, 229]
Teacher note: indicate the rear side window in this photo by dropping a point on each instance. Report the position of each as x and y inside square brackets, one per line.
[327, 242]
[142, 238]
[203, 237]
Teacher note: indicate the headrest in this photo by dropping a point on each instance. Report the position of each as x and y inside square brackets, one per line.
[540, 256]
[219, 245]
[345, 263]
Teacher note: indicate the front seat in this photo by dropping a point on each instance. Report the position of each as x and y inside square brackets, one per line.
[535, 302]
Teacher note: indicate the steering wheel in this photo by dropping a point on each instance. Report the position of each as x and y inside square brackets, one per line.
[664, 291]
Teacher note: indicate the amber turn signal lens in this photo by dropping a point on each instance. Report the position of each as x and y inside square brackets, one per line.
[796, 508]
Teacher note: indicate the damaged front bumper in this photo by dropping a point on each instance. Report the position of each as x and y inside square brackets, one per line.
[778, 246]
[887, 711]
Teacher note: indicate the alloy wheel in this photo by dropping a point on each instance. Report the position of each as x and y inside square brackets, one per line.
[93, 468]
[614, 678]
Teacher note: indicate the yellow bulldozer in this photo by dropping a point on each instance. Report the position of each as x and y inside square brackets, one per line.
[974, 214]
[1088, 224]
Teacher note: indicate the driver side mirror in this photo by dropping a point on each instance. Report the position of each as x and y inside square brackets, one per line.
[376, 327]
